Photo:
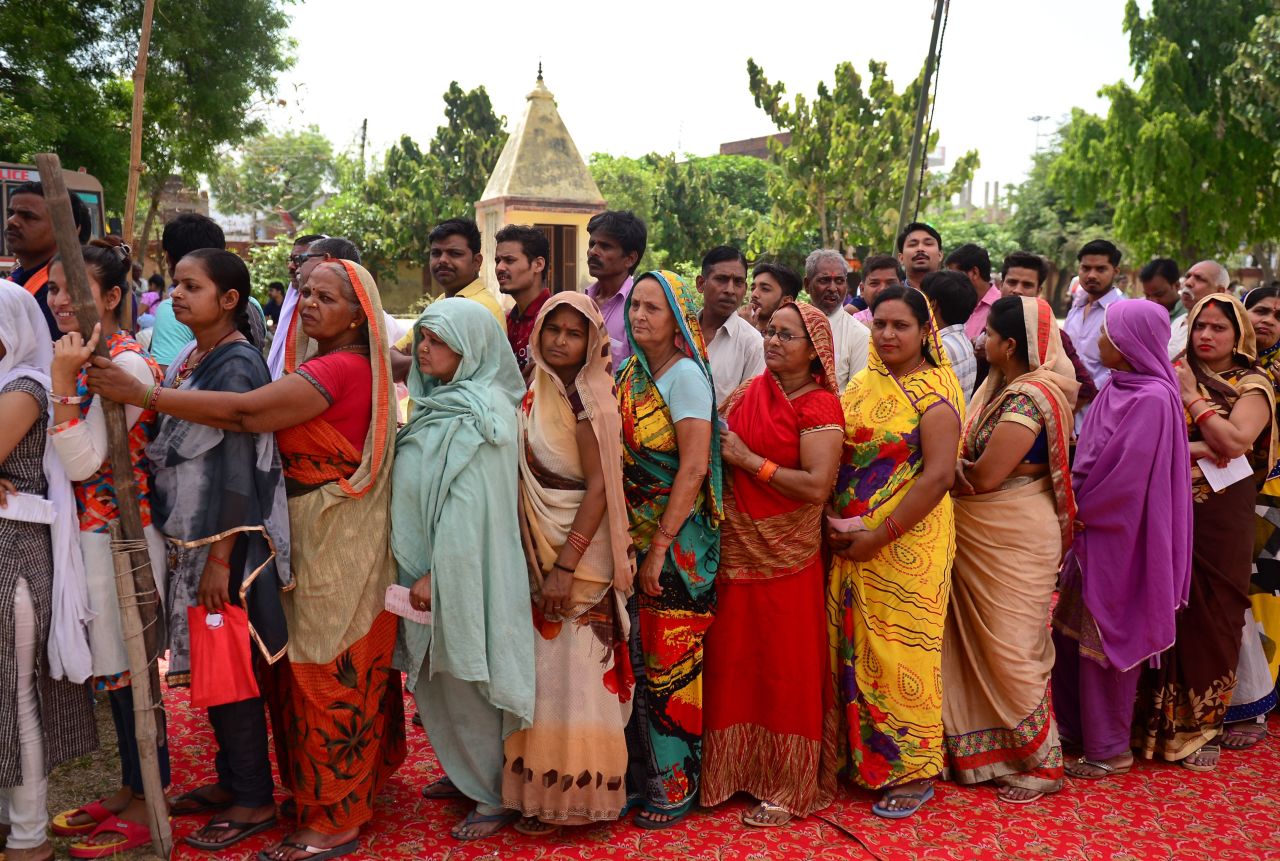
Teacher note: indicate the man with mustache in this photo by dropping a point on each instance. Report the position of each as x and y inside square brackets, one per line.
[735, 349]
[772, 286]
[919, 251]
[28, 231]
[456, 261]
[616, 240]
[1098, 262]
[520, 260]
[826, 278]
[1159, 280]
[880, 271]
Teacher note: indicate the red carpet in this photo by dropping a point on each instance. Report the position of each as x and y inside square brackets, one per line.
[1156, 811]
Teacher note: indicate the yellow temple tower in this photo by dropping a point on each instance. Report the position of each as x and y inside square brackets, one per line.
[540, 179]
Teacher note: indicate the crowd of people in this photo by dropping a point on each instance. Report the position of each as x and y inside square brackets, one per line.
[639, 547]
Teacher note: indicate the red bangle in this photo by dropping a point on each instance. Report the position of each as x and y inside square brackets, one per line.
[221, 562]
[1204, 416]
[766, 471]
[895, 530]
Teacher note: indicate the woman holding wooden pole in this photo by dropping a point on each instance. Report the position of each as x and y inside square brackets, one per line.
[79, 436]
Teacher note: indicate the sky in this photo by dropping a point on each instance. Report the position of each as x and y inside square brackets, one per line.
[671, 76]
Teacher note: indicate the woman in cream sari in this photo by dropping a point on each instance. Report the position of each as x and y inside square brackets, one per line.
[1014, 511]
[573, 522]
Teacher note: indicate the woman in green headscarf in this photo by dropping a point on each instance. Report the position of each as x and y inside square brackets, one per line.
[671, 478]
[456, 538]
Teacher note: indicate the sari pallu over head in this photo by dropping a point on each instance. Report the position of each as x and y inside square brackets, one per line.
[454, 513]
[341, 529]
[882, 455]
[550, 413]
[1051, 385]
[1132, 480]
[29, 353]
[209, 484]
[766, 533]
[650, 454]
[1222, 390]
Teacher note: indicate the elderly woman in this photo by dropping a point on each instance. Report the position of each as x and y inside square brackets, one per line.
[1230, 407]
[893, 539]
[456, 538]
[79, 437]
[671, 474]
[1014, 511]
[334, 419]
[1246, 719]
[770, 728]
[1131, 547]
[45, 709]
[573, 520]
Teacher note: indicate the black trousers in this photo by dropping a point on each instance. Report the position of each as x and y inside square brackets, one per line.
[243, 767]
[121, 701]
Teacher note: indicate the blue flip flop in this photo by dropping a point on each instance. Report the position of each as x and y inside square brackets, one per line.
[920, 797]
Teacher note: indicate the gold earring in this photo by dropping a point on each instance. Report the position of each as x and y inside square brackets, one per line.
[353, 325]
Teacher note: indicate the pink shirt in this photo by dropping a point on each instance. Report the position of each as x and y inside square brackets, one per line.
[978, 319]
[614, 311]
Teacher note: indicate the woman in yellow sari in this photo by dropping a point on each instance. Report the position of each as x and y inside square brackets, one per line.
[893, 533]
[1014, 511]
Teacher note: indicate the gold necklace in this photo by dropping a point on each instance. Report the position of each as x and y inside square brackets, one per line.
[923, 360]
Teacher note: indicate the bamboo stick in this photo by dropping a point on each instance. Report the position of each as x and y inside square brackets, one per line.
[140, 601]
[135, 128]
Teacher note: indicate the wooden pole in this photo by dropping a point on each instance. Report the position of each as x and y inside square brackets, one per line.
[135, 130]
[139, 603]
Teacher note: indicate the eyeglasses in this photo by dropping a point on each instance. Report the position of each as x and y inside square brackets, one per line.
[784, 337]
[299, 259]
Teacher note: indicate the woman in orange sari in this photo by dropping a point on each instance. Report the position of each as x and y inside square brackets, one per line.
[337, 708]
[770, 722]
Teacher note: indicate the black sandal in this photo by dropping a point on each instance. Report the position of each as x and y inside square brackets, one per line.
[243, 831]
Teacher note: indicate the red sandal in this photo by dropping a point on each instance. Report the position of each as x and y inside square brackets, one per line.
[134, 835]
[62, 827]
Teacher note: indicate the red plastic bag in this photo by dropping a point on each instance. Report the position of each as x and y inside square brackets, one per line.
[221, 661]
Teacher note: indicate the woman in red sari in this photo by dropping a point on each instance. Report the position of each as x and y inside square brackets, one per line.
[773, 733]
[337, 707]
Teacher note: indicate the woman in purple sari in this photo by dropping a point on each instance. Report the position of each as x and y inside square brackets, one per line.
[1127, 573]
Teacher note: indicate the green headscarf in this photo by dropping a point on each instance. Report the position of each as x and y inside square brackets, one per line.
[453, 513]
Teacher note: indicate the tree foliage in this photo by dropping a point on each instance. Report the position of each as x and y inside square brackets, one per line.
[842, 174]
[65, 67]
[1188, 168]
[276, 173]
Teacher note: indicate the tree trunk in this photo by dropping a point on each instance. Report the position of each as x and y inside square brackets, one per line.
[147, 224]
[1262, 252]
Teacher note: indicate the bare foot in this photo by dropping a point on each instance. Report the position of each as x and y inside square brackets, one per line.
[308, 837]
[43, 852]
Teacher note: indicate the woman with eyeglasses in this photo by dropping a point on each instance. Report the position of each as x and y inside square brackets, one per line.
[769, 695]
[893, 535]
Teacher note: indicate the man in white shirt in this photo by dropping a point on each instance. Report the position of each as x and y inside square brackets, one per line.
[297, 256]
[734, 347]
[826, 278]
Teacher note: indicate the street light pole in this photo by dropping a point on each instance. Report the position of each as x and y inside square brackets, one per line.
[1037, 119]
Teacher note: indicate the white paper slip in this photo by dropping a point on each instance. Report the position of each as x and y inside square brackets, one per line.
[397, 601]
[1224, 476]
[27, 508]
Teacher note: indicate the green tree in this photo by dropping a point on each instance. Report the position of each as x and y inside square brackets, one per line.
[1187, 174]
[65, 64]
[842, 174]
[1255, 100]
[467, 147]
[277, 173]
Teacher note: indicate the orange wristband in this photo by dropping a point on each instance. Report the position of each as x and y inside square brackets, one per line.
[766, 471]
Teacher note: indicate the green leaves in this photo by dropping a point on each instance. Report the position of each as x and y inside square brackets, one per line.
[277, 173]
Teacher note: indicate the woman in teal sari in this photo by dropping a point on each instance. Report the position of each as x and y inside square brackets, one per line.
[456, 538]
[671, 477]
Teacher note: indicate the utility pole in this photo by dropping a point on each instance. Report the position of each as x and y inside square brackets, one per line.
[364, 133]
[135, 130]
[913, 165]
[1037, 119]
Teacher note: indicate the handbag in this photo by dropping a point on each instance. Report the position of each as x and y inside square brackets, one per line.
[221, 660]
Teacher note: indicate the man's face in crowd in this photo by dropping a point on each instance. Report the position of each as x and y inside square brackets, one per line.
[605, 258]
[766, 296]
[723, 287]
[875, 281]
[453, 264]
[1158, 289]
[828, 286]
[1198, 283]
[921, 254]
[28, 229]
[1097, 274]
[515, 272]
[1020, 281]
[297, 256]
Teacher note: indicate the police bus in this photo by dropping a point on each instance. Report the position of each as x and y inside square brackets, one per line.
[78, 182]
